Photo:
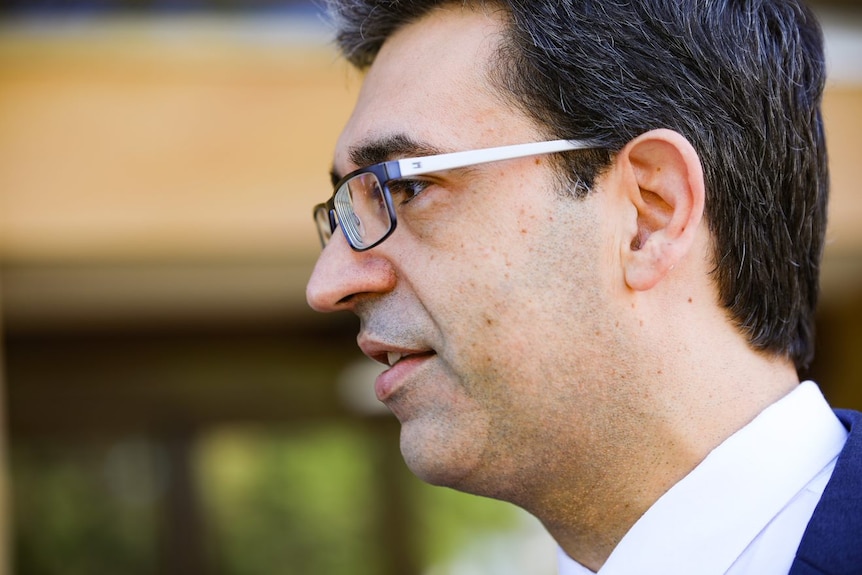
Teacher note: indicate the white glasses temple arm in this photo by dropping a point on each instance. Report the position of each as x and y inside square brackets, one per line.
[441, 162]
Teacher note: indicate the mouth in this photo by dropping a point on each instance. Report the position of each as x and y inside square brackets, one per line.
[392, 358]
[403, 366]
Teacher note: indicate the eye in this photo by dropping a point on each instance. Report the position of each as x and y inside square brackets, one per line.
[403, 191]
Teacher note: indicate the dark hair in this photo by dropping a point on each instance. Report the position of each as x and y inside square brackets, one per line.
[741, 79]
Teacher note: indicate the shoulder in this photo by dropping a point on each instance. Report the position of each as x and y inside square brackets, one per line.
[832, 543]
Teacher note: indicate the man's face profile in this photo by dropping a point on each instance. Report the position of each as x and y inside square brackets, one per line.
[463, 300]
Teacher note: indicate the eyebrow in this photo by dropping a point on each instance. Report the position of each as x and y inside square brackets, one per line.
[395, 146]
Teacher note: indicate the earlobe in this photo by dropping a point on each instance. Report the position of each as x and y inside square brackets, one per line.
[665, 185]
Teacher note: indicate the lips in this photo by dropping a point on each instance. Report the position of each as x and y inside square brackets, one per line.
[404, 368]
[403, 363]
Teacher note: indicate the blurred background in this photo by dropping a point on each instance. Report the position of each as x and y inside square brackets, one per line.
[170, 405]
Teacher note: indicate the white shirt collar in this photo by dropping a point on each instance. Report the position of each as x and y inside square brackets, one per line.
[708, 519]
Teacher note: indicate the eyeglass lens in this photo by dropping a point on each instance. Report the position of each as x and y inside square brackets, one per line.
[324, 225]
[362, 211]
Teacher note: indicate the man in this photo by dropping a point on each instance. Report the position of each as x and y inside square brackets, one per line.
[585, 238]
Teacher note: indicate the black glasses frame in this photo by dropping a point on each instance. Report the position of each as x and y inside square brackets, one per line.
[385, 172]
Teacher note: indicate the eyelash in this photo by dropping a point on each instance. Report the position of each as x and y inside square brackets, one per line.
[407, 189]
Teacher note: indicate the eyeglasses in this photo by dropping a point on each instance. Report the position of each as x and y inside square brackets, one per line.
[362, 202]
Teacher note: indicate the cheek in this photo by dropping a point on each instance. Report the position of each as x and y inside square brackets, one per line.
[486, 318]
[501, 285]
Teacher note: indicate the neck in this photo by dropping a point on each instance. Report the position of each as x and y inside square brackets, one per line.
[666, 427]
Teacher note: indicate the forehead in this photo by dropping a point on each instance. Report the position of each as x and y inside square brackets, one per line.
[430, 83]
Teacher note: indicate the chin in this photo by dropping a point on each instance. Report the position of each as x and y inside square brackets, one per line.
[437, 460]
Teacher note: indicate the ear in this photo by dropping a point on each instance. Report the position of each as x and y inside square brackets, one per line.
[664, 182]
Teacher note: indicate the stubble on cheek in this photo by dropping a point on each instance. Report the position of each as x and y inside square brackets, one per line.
[447, 418]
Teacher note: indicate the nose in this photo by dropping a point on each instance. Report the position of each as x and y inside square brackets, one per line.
[341, 274]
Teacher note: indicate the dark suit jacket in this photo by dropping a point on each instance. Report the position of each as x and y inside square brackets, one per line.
[832, 543]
